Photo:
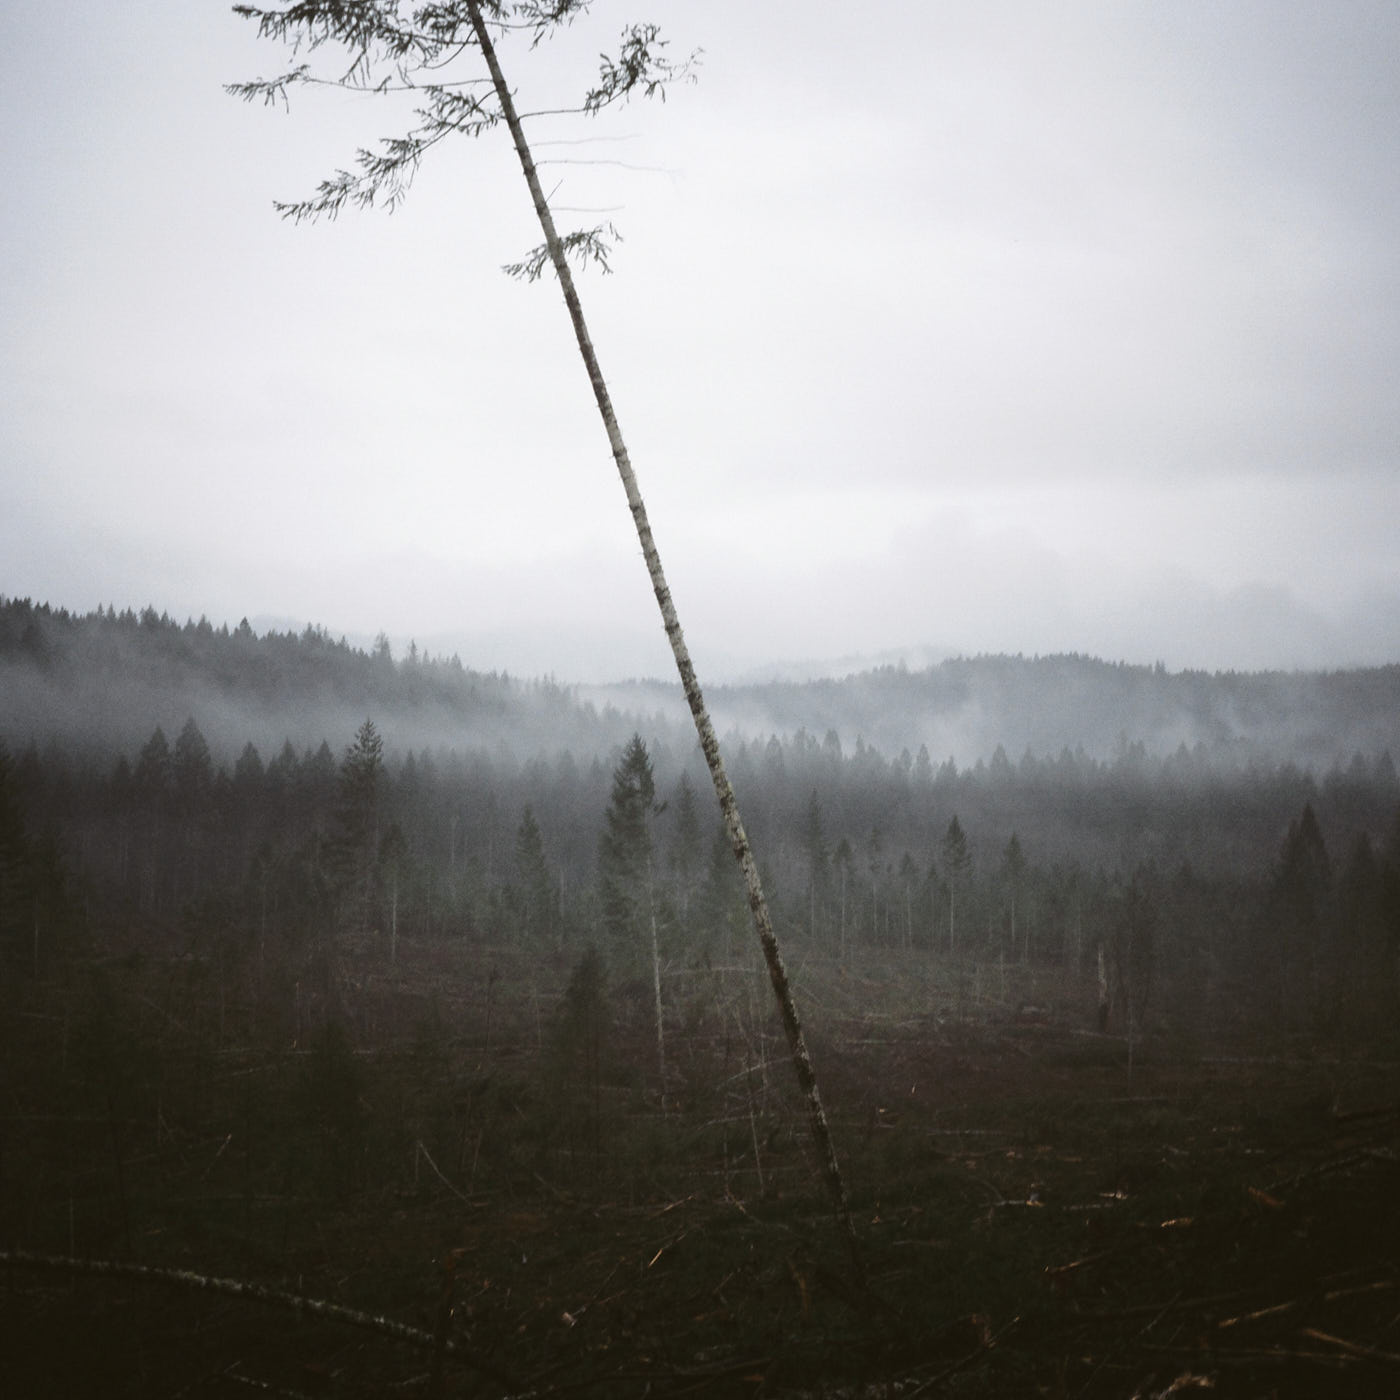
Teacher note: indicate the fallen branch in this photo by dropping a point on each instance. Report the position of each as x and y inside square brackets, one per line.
[254, 1293]
[1173, 1305]
[437, 1172]
[986, 1340]
[1338, 1162]
[1351, 1348]
[1272, 1311]
[1056, 1270]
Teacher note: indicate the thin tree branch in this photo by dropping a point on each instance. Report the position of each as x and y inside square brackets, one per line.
[619, 164]
[253, 1293]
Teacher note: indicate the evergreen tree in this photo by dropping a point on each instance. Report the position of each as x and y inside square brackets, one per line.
[908, 876]
[581, 1036]
[318, 780]
[625, 853]
[1361, 988]
[1012, 880]
[393, 864]
[818, 854]
[153, 769]
[152, 783]
[723, 913]
[957, 871]
[875, 868]
[923, 768]
[1132, 950]
[249, 773]
[191, 770]
[534, 888]
[844, 860]
[686, 853]
[625, 867]
[355, 853]
[192, 784]
[1299, 914]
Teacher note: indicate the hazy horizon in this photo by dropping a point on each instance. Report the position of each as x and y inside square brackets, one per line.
[592, 673]
[1034, 332]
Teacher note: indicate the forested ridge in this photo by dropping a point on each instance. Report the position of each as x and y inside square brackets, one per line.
[101, 680]
[142, 789]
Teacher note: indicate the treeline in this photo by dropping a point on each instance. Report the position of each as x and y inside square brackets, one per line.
[103, 680]
[98, 683]
[967, 706]
[1214, 879]
[1198, 894]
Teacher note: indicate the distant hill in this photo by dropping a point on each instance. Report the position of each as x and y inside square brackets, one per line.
[965, 708]
[102, 681]
[105, 680]
[968, 707]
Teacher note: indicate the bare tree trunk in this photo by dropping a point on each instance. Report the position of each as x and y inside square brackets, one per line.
[656, 986]
[394, 921]
[709, 743]
[843, 914]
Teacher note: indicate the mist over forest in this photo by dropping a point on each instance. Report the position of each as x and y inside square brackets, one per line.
[342, 928]
[205, 776]
[101, 682]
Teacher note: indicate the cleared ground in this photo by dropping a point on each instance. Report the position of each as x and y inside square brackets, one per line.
[1038, 1213]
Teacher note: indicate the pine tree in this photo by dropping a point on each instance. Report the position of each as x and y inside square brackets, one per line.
[153, 770]
[844, 860]
[1013, 876]
[625, 853]
[393, 864]
[1132, 951]
[908, 874]
[581, 1049]
[625, 864]
[192, 779]
[686, 851]
[152, 785]
[192, 770]
[818, 853]
[957, 866]
[355, 849]
[534, 888]
[1300, 913]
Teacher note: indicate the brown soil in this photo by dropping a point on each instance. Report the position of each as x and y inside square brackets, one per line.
[1032, 1219]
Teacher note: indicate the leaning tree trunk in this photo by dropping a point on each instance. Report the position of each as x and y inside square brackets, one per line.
[709, 743]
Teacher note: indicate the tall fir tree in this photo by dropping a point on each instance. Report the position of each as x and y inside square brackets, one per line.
[626, 868]
[355, 849]
[533, 885]
[957, 872]
[625, 854]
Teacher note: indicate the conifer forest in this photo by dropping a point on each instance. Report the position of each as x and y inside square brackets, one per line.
[373, 1025]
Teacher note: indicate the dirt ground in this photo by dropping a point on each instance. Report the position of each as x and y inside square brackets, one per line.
[1031, 1218]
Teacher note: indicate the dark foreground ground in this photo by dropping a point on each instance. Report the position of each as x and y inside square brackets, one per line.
[1031, 1218]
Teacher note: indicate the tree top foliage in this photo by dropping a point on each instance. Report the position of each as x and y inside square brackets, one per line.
[433, 52]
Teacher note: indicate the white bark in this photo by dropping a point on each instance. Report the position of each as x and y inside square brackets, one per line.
[709, 743]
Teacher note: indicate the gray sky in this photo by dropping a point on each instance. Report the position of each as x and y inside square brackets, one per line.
[937, 327]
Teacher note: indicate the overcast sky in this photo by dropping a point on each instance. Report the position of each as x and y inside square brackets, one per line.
[937, 327]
